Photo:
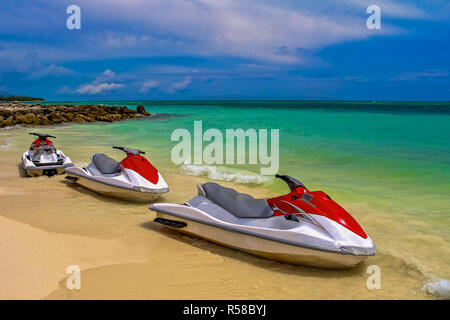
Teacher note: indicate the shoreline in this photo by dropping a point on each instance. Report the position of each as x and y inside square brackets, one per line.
[36, 114]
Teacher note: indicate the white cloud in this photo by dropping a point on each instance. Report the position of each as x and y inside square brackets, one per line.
[108, 73]
[51, 70]
[413, 76]
[149, 85]
[125, 40]
[102, 84]
[180, 85]
[260, 30]
[93, 89]
[243, 28]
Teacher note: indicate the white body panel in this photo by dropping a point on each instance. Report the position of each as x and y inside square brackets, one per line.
[46, 162]
[126, 185]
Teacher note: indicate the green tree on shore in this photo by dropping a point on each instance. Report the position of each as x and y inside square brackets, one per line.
[19, 98]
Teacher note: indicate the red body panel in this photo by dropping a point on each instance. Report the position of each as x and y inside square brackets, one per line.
[141, 166]
[38, 142]
[319, 204]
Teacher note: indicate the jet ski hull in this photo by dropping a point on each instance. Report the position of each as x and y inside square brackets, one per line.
[109, 189]
[36, 172]
[32, 169]
[261, 243]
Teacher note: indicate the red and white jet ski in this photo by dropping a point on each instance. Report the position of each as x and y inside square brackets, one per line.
[134, 178]
[42, 158]
[301, 227]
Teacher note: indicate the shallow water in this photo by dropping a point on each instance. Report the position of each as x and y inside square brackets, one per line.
[388, 164]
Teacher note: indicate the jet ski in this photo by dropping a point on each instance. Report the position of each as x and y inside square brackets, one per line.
[42, 158]
[134, 178]
[302, 227]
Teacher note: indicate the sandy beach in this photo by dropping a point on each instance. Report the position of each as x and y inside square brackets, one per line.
[48, 226]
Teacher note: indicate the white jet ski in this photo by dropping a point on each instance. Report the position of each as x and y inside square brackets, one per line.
[134, 178]
[302, 227]
[43, 158]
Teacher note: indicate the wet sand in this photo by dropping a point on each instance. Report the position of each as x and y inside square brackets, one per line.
[48, 225]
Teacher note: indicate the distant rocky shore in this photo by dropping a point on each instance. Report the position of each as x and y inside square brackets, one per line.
[37, 114]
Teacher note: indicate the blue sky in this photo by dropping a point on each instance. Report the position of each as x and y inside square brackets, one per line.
[225, 49]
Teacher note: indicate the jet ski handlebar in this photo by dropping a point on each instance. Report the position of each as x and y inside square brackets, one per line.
[291, 182]
[41, 135]
[136, 152]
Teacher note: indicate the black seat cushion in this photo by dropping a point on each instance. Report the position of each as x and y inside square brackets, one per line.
[105, 164]
[241, 205]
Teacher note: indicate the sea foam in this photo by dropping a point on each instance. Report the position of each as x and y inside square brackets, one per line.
[440, 288]
[7, 144]
[223, 174]
[17, 126]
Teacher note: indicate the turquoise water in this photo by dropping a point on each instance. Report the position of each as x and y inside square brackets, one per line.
[395, 155]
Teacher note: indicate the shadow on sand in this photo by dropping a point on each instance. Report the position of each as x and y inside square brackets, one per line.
[103, 198]
[22, 172]
[98, 196]
[256, 260]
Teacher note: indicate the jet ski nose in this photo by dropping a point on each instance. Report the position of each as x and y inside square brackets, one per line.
[332, 210]
[359, 251]
[345, 239]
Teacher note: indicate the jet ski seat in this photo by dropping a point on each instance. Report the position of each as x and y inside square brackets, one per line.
[105, 164]
[241, 205]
